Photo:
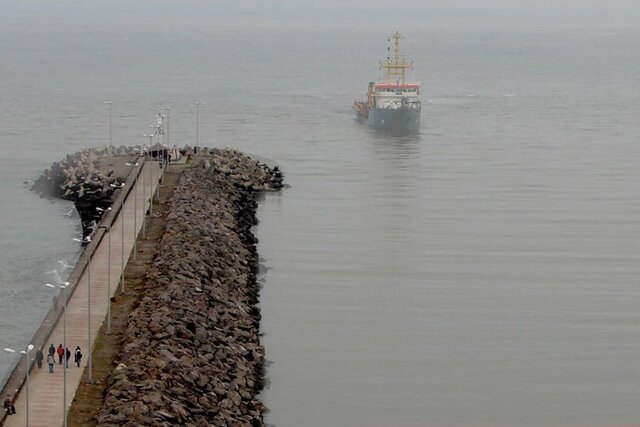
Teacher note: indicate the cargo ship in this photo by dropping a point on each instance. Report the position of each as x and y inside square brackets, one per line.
[393, 106]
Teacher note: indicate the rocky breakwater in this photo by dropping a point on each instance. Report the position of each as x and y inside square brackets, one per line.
[77, 178]
[191, 353]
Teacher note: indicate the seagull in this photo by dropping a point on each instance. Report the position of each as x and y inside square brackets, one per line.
[64, 264]
[84, 240]
[68, 213]
[117, 185]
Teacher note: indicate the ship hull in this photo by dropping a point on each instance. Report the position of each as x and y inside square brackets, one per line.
[395, 121]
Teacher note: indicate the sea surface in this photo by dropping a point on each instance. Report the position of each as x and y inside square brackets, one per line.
[483, 273]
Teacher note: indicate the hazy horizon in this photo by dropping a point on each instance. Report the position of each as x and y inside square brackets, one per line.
[146, 14]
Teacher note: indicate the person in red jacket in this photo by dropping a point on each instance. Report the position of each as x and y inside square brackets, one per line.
[61, 353]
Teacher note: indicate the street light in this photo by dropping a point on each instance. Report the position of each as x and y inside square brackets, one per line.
[110, 134]
[150, 191]
[108, 230]
[168, 108]
[122, 247]
[144, 191]
[162, 129]
[161, 167]
[64, 341]
[144, 211]
[26, 353]
[197, 122]
[135, 215]
[90, 380]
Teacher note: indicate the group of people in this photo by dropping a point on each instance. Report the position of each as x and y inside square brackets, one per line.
[63, 356]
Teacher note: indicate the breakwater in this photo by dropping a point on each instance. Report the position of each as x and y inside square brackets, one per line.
[89, 180]
[191, 353]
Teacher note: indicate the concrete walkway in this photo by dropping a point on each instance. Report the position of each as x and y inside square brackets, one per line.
[46, 395]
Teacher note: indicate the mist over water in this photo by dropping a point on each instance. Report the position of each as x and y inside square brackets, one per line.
[483, 273]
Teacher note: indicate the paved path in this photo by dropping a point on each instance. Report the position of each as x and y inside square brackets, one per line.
[46, 400]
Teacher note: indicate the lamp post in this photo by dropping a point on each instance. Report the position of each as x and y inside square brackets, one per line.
[110, 134]
[162, 130]
[64, 343]
[160, 171]
[122, 247]
[150, 191]
[135, 215]
[108, 230]
[90, 379]
[28, 365]
[26, 353]
[197, 122]
[144, 199]
[144, 191]
[168, 108]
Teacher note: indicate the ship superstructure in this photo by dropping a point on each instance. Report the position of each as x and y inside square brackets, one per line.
[393, 105]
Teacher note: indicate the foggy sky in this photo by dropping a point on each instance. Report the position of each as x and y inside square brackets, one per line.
[147, 13]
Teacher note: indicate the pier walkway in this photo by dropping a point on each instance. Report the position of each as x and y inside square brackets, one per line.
[92, 284]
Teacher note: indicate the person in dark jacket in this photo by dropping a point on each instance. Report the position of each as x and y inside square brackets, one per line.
[68, 357]
[77, 356]
[52, 349]
[39, 357]
[9, 406]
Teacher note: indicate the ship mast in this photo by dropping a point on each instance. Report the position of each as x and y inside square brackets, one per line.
[399, 65]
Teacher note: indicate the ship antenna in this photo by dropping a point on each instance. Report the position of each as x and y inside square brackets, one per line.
[396, 37]
[398, 67]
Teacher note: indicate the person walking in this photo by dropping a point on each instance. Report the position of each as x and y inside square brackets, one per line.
[51, 360]
[52, 349]
[68, 354]
[39, 357]
[9, 406]
[60, 352]
[77, 356]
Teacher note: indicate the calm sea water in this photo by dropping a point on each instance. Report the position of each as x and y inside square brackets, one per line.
[483, 273]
